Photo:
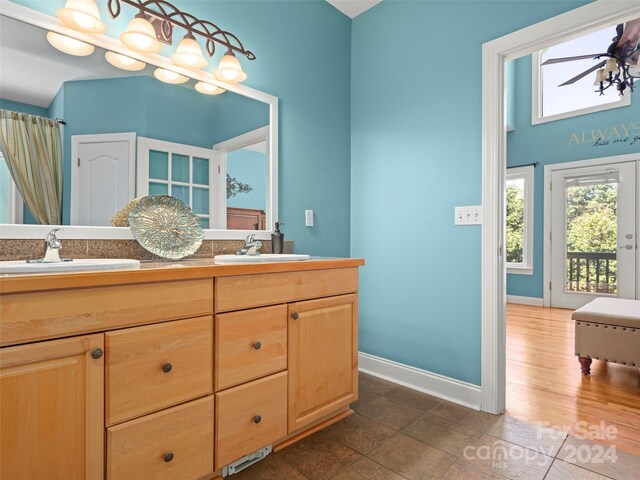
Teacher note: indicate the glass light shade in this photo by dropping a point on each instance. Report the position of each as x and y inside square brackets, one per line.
[124, 62]
[611, 66]
[634, 71]
[229, 69]
[209, 88]
[82, 15]
[167, 76]
[70, 45]
[601, 76]
[140, 36]
[189, 54]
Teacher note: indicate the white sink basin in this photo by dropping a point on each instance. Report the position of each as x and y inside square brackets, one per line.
[77, 265]
[262, 258]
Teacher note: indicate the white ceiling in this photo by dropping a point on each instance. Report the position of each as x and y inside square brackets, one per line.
[32, 71]
[353, 8]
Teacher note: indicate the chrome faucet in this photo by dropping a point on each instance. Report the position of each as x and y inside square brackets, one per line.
[251, 246]
[52, 246]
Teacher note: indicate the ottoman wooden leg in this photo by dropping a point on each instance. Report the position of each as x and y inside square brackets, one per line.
[585, 365]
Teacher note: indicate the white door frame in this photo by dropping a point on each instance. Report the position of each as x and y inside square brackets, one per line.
[548, 170]
[76, 140]
[221, 150]
[569, 25]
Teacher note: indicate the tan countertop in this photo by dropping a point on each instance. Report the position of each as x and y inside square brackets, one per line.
[154, 271]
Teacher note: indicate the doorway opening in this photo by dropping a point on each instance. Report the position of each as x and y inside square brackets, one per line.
[610, 185]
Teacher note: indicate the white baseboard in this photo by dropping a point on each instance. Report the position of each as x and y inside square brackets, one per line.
[439, 386]
[536, 302]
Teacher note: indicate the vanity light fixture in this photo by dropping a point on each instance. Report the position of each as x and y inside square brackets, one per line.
[82, 15]
[124, 62]
[70, 45]
[140, 36]
[229, 69]
[209, 88]
[167, 76]
[166, 17]
[189, 54]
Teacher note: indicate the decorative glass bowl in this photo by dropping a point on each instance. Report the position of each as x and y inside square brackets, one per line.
[166, 226]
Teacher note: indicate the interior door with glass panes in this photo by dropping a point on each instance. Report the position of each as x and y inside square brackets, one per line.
[593, 234]
[186, 172]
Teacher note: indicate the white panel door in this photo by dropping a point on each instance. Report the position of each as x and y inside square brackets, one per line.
[593, 234]
[103, 177]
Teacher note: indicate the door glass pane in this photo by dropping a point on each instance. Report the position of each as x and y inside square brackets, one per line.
[592, 232]
[179, 168]
[201, 200]
[158, 165]
[158, 189]
[515, 220]
[201, 171]
[180, 192]
[204, 222]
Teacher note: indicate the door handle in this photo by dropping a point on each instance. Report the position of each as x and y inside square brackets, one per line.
[627, 247]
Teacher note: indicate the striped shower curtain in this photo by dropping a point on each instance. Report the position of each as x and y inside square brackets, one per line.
[32, 148]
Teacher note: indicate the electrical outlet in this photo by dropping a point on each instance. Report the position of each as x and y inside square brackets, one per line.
[469, 215]
[308, 215]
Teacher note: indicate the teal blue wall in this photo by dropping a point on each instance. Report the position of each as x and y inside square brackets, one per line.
[416, 154]
[249, 167]
[552, 142]
[303, 58]
[23, 107]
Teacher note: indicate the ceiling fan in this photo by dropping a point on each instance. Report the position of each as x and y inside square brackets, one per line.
[619, 67]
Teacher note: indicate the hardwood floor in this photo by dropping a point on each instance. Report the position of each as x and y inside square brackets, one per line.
[544, 383]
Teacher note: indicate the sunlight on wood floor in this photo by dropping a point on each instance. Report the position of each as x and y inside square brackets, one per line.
[544, 383]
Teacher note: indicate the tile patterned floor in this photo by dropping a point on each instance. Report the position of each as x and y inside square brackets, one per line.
[400, 434]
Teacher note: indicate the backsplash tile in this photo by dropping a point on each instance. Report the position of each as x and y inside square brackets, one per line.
[20, 249]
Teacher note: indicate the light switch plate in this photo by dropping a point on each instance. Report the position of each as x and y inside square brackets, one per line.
[308, 215]
[469, 215]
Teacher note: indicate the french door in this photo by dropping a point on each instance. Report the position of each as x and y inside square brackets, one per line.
[593, 234]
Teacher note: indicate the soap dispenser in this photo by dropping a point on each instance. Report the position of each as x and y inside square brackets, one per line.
[277, 240]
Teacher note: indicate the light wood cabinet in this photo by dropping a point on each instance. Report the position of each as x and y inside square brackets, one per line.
[323, 358]
[176, 443]
[250, 344]
[250, 416]
[156, 366]
[51, 410]
[182, 371]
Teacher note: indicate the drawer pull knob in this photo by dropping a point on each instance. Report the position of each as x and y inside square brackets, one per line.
[295, 316]
[168, 457]
[257, 419]
[166, 368]
[97, 353]
[257, 345]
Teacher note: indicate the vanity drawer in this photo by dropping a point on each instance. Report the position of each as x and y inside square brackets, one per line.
[247, 291]
[139, 449]
[249, 417]
[250, 344]
[155, 366]
[29, 317]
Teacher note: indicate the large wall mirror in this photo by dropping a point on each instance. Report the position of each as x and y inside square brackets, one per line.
[126, 134]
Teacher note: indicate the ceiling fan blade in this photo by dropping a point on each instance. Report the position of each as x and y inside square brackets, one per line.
[583, 74]
[551, 61]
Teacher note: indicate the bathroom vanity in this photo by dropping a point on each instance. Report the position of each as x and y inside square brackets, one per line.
[173, 371]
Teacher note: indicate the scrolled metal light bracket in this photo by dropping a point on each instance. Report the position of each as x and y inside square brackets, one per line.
[170, 16]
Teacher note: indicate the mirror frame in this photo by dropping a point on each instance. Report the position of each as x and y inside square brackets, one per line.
[50, 23]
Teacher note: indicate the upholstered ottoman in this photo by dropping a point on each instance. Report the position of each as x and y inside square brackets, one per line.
[608, 329]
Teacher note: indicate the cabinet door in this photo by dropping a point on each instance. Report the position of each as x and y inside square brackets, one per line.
[52, 410]
[323, 358]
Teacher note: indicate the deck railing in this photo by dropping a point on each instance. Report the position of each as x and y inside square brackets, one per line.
[592, 272]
